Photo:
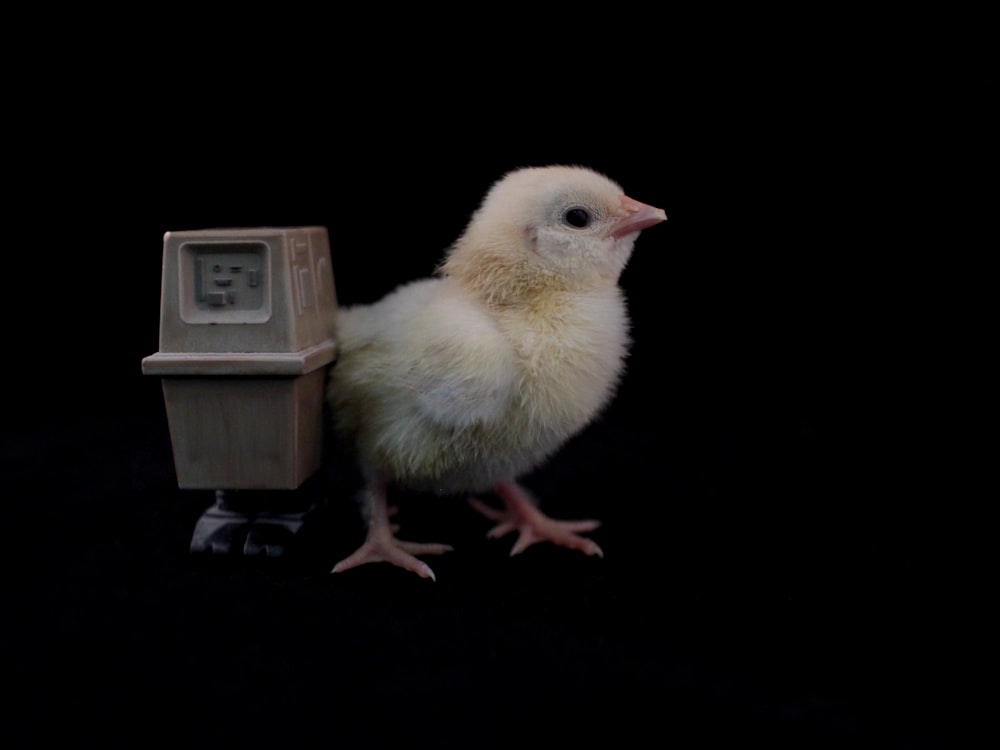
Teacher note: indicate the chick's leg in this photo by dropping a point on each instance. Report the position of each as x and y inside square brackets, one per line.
[381, 545]
[523, 516]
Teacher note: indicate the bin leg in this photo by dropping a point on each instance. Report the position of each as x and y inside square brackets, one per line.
[257, 523]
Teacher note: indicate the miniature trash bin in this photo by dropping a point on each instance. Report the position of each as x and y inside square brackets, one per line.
[246, 337]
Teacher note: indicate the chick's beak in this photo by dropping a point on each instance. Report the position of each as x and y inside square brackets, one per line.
[634, 217]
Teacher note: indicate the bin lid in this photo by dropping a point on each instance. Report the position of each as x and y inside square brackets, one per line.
[234, 364]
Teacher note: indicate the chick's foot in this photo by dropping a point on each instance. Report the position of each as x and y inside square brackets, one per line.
[523, 516]
[381, 545]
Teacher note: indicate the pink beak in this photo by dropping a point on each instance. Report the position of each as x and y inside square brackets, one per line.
[634, 217]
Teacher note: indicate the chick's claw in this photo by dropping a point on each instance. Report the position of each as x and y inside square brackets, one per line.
[381, 545]
[558, 532]
[533, 526]
[391, 550]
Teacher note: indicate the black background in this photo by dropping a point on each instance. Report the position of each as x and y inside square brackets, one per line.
[781, 515]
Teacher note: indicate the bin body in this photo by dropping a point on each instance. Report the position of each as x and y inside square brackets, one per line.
[246, 339]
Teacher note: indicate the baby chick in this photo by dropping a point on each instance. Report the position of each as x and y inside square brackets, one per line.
[463, 382]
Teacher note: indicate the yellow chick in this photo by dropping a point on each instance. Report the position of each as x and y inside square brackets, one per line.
[463, 382]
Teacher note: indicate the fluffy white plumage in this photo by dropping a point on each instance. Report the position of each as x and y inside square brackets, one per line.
[465, 381]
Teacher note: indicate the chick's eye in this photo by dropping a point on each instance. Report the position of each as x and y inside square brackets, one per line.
[577, 217]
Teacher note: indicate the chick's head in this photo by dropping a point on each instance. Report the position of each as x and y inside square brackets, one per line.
[561, 224]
